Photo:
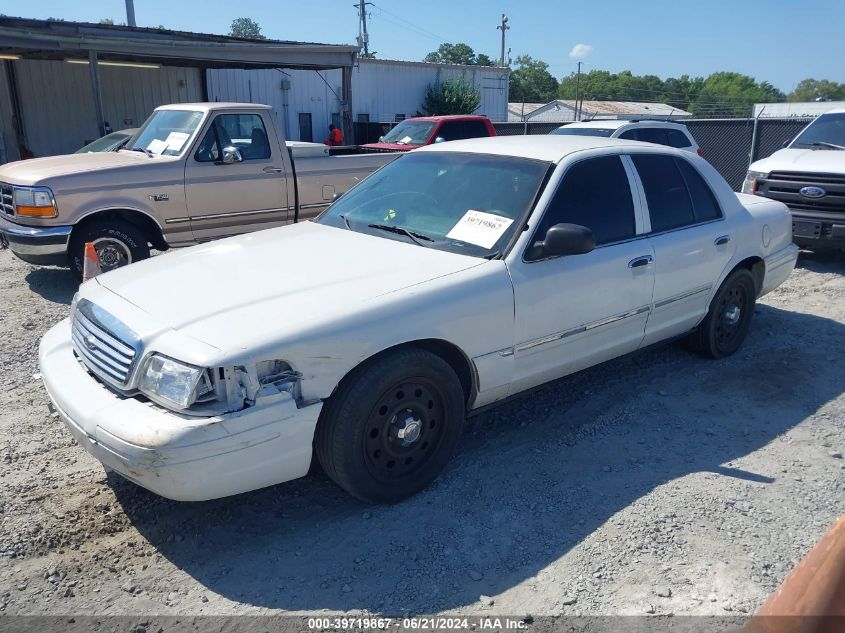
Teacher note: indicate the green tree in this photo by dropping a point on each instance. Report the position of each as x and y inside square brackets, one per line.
[531, 81]
[107, 21]
[821, 89]
[482, 59]
[459, 53]
[246, 28]
[370, 55]
[453, 96]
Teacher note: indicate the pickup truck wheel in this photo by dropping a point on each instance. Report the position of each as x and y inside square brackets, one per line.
[117, 244]
[392, 426]
[729, 318]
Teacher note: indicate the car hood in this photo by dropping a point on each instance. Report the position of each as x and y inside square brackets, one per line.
[275, 283]
[38, 171]
[391, 147]
[807, 160]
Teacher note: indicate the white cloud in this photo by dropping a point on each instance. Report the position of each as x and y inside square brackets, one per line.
[580, 51]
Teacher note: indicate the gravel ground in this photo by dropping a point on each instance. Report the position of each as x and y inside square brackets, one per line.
[660, 483]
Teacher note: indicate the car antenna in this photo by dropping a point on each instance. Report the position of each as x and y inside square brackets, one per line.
[669, 116]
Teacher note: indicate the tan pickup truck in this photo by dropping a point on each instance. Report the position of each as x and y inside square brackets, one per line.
[192, 172]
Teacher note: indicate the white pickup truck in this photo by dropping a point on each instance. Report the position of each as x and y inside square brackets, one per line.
[193, 172]
[808, 175]
[462, 274]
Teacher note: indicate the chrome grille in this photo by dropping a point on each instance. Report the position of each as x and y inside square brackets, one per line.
[108, 354]
[7, 202]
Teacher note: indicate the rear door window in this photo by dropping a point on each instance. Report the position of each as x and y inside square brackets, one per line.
[669, 202]
[594, 193]
[705, 205]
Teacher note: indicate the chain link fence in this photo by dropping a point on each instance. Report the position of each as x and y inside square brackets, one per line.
[730, 145]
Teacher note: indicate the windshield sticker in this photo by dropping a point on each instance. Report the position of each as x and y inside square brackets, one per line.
[405, 140]
[175, 140]
[480, 228]
[157, 146]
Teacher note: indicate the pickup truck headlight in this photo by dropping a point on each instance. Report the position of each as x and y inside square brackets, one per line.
[173, 384]
[750, 183]
[34, 202]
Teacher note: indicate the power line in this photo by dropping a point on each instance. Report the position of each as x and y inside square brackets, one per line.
[401, 22]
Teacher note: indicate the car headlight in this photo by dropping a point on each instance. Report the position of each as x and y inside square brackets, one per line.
[172, 383]
[749, 185]
[35, 202]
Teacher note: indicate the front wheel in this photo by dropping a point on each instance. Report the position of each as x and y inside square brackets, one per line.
[392, 426]
[729, 318]
[117, 244]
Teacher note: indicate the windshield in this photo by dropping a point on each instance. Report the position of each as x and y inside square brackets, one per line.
[582, 131]
[167, 132]
[409, 133]
[826, 132]
[104, 143]
[464, 203]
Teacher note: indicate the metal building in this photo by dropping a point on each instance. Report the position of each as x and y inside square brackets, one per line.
[563, 110]
[306, 102]
[65, 83]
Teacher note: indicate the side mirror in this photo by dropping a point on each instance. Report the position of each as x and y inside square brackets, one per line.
[381, 139]
[337, 196]
[567, 239]
[231, 154]
[439, 139]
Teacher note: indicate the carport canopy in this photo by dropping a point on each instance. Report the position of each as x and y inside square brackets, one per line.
[22, 38]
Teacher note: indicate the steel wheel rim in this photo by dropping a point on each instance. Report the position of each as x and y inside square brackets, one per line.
[732, 314]
[404, 429]
[112, 253]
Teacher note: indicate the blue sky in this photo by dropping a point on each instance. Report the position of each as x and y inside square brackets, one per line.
[782, 41]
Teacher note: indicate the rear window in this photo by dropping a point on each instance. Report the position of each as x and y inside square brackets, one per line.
[678, 139]
[458, 130]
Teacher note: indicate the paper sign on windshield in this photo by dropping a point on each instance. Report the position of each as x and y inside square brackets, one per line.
[175, 140]
[405, 140]
[157, 146]
[480, 228]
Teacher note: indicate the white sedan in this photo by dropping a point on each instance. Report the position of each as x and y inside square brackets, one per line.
[453, 278]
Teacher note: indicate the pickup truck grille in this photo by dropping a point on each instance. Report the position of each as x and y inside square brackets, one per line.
[108, 355]
[785, 187]
[7, 203]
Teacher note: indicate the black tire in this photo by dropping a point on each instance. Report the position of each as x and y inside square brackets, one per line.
[117, 242]
[729, 317]
[391, 426]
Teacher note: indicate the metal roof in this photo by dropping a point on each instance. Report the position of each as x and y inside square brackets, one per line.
[57, 40]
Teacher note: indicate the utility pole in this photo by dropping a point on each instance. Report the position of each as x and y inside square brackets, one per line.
[130, 12]
[504, 27]
[577, 90]
[363, 37]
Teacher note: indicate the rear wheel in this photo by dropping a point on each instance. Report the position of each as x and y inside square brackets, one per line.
[392, 426]
[117, 244]
[729, 318]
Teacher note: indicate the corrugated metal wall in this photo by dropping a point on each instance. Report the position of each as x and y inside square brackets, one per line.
[8, 142]
[57, 102]
[380, 89]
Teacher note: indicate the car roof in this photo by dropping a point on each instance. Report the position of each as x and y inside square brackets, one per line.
[447, 117]
[549, 148]
[216, 105]
[615, 124]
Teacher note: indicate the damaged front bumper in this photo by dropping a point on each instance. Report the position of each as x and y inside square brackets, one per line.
[178, 457]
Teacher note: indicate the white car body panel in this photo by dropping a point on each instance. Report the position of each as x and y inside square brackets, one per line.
[345, 297]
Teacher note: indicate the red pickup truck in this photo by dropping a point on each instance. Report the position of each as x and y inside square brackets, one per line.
[425, 130]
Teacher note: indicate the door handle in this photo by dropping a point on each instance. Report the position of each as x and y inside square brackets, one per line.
[637, 262]
[722, 240]
[272, 170]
